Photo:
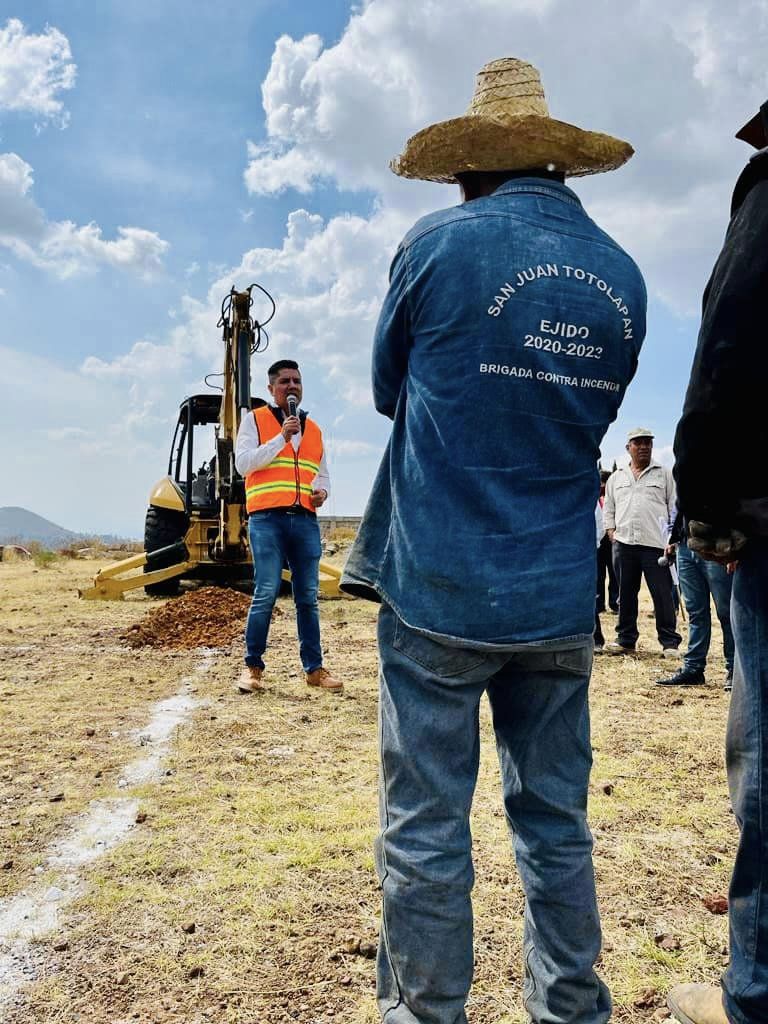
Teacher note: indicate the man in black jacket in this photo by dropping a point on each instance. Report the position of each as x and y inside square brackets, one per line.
[722, 481]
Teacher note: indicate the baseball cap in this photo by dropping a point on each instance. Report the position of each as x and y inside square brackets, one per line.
[639, 432]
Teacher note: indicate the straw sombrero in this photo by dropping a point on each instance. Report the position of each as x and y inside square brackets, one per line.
[507, 128]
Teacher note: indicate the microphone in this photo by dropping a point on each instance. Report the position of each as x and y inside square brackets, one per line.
[291, 405]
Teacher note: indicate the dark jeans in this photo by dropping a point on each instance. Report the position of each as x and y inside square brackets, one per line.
[634, 562]
[277, 537]
[745, 982]
[430, 745]
[605, 568]
[699, 579]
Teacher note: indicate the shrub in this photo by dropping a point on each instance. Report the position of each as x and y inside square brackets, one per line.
[68, 552]
[44, 559]
[14, 553]
[341, 535]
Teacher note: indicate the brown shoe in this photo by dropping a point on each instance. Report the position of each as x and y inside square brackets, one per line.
[697, 1004]
[322, 677]
[250, 679]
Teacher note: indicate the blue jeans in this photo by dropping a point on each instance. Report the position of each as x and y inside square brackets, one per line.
[430, 745]
[699, 579]
[745, 982]
[277, 537]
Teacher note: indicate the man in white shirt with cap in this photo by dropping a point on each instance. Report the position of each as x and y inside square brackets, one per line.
[639, 502]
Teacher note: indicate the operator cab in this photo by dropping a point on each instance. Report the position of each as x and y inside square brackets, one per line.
[194, 444]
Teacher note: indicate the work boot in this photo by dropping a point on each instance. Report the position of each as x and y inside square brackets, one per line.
[684, 677]
[697, 1004]
[672, 652]
[614, 647]
[250, 679]
[322, 678]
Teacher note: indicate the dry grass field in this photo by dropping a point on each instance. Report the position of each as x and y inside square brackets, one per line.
[223, 870]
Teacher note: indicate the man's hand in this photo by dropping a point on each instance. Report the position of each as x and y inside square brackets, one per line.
[610, 534]
[317, 498]
[670, 549]
[290, 427]
[713, 543]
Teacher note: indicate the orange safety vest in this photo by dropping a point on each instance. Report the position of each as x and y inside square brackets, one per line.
[287, 480]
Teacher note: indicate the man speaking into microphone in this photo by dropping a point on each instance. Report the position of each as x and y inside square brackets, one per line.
[280, 453]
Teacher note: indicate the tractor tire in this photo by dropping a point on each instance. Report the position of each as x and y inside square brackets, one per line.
[163, 526]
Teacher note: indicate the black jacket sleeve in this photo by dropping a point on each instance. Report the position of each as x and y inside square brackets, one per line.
[721, 439]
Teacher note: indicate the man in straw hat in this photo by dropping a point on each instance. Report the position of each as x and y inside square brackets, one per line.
[722, 482]
[509, 333]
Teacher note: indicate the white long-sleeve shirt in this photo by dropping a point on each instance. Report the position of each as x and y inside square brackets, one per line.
[250, 455]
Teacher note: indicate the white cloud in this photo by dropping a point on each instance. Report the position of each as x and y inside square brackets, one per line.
[144, 360]
[339, 447]
[676, 82]
[15, 174]
[329, 280]
[64, 435]
[668, 237]
[70, 249]
[62, 247]
[271, 171]
[34, 70]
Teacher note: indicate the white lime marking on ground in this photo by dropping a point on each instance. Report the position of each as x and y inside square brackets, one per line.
[34, 912]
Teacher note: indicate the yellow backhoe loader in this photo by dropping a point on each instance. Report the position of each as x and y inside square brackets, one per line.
[196, 525]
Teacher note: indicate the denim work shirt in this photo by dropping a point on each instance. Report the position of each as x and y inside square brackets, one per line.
[506, 341]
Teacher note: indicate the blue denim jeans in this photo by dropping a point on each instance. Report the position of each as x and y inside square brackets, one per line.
[430, 745]
[745, 982]
[277, 537]
[699, 579]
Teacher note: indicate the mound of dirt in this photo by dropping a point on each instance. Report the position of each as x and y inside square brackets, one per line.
[208, 617]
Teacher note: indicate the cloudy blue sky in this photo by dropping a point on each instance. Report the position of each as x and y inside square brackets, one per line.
[152, 154]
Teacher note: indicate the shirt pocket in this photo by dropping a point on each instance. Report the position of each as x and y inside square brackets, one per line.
[656, 490]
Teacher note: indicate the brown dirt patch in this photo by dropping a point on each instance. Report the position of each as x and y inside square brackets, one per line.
[208, 617]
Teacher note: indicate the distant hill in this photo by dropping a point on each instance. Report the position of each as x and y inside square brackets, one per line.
[20, 524]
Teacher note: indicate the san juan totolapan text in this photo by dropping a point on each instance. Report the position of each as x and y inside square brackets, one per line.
[524, 278]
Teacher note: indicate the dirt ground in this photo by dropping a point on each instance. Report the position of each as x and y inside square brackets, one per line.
[244, 889]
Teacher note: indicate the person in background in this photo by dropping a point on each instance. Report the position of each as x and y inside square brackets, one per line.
[600, 537]
[701, 580]
[605, 568]
[637, 498]
[722, 479]
[282, 458]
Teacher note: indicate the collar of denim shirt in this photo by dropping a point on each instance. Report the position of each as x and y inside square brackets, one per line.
[538, 186]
